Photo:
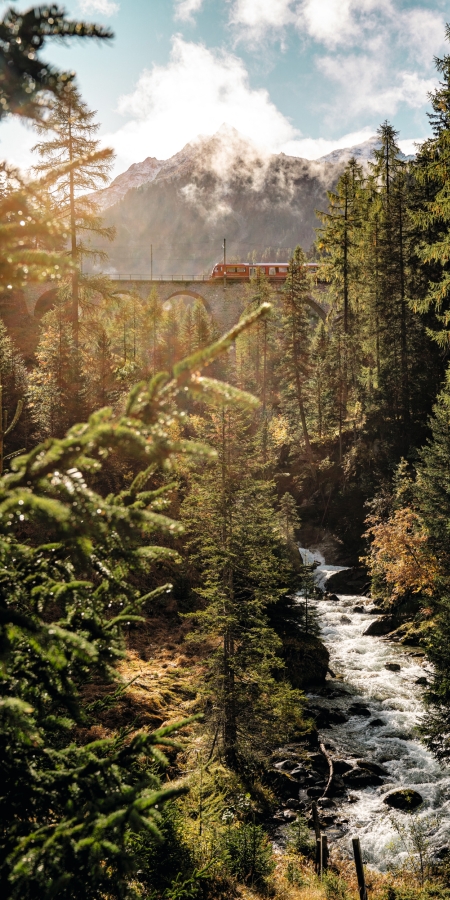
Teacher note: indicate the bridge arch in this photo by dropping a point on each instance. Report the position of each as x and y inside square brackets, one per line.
[45, 302]
[189, 293]
[321, 312]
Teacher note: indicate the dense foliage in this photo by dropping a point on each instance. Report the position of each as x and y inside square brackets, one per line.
[131, 478]
[68, 551]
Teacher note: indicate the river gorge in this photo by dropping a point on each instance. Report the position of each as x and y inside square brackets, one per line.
[373, 704]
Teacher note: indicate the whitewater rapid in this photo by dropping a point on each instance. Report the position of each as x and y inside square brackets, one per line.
[358, 663]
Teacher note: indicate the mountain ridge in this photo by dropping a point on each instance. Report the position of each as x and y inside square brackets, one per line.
[178, 210]
[151, 168]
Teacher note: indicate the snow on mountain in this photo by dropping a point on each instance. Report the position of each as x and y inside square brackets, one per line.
[361, 152]
[220, 153]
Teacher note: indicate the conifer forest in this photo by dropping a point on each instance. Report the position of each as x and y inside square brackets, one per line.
[212, 544]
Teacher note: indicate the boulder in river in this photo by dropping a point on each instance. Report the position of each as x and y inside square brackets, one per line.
[376, 723]
[351, 581]
[325, 717]
[281, 782]
[314, 792]
[341, 766]
[345, 620]
[372, 766]
[383, 625]
[306, 659]
[393, 667]
[361, 778]
[359, 609]
[422, 681]
[405, 799]
[358, 709]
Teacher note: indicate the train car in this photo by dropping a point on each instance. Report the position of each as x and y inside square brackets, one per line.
[276, 272]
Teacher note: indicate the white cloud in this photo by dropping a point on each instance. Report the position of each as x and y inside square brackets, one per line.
[258, 17]
[197, 91]
[185, 9]
[409, 145]
[364, 88]
[314, 148]
[389, 47]
[422, 31]
[103, 7]
[331, 22]
[334, 22]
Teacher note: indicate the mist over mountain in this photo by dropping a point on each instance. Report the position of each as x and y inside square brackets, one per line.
[216, 187]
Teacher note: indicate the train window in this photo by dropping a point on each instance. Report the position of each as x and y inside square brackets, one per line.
[241, 269]
[231, 268]
[272, 270]
[252, 271]
[282, 270]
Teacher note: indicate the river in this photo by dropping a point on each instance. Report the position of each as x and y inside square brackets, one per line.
[393, 697]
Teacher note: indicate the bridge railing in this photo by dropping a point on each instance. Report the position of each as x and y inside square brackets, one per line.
[149, 277]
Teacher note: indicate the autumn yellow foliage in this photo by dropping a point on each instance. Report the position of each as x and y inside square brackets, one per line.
[400, 553]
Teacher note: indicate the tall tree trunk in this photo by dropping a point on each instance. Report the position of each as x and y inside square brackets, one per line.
[73, 237]
[229, 685]
[298, 383]
[403, 326]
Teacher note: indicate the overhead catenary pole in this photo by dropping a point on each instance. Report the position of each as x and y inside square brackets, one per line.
[224, 251]
[151, 262]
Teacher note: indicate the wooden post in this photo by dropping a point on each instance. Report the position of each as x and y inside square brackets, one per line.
[359, 869]
[319, 856]
[323, 853]
[315, 816]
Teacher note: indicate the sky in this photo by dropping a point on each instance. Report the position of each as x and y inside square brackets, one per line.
[300, 76]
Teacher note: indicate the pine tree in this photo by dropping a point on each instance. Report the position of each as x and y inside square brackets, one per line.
[253, 348]
[245, 566]
[295, 341]
[390, 210]
[432, 215]
[73, 138]
[170, 334]
[153, 316]
[53, 395]
[98, 365]
[31, 238]
[13, 388]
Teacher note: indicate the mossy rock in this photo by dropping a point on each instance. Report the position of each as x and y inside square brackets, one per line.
[306, 660]
[404, 799]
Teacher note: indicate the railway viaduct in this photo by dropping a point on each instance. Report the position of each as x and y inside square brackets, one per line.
[223, 300]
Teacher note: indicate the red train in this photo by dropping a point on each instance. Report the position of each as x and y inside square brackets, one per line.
[276, 272]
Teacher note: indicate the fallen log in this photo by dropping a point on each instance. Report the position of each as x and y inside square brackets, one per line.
[330, 770]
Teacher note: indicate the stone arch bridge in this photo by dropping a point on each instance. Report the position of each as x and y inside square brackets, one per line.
[223, 300]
